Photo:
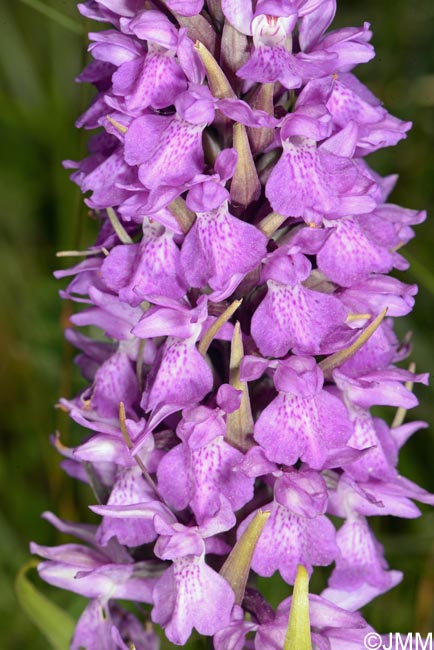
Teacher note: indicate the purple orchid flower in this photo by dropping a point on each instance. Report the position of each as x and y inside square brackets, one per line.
[236, 297]
[303, 421]
[292, 316]
[296, 520]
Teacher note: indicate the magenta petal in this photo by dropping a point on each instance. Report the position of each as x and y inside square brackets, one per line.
[303, 492]
[203, 472]
[239, 14]
[346, 104]
[190, 594]
[233, 637]
[115, 318]
[216, 475]
[174, 477]
[316, 183]
[291, 428]
[380, 351]
[380, 459]
[270, 64]
[378, 292]
[239, 111]
[360, 558]
[295, 317]
[315, 23]
[253, 367]
[381, 387]
[375, 498]
[115, 382]
[143, 137]
[196, 106]
[183, 378]
[86, 532]
[300, 376]
[226, 163]
[351, 45]
[219, 246]
[147, 270]
[154, 26]
[205, 197]
[114, 47]
[136, 82]
[305, 182]
[229, 398]
[106, 448]
[349, 255]
[105, 180]
[175, 320]
[353, 600]
[200, 426]
[168, 150]
[123, 7]
[178, 158]
[109, 580]
[130, 488]
[93, 629]
[288, 540]
[117, 265]
[185, 7]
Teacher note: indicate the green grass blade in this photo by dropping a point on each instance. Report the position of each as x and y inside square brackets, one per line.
[55, 624]
[422, 274]
[19, 77]
[51, 13]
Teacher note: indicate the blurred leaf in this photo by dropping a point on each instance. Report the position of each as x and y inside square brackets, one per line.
[53, 622]
[51, 13]
[17, 65]
[421, 273]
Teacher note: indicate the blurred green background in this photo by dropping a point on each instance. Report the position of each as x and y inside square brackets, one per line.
[41, 52]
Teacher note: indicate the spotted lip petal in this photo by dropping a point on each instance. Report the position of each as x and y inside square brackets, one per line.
[176, 155]
[147, 270]
[203, 474]
[190, 594]
[288, 536]
[293, 428]
[135, 82]
[349, 255]
[218, 247]
[130, 488]
[292, 316]
[182, 379]
[360, 559]
[319, 183]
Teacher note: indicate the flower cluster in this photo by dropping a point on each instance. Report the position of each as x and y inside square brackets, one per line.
[239, 282]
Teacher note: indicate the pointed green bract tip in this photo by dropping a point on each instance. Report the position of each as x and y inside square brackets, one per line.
[218, 82]
[239, 423]
[216, 326]
[237, 566]
[335, 360]
[118, 227]
[298, 633]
